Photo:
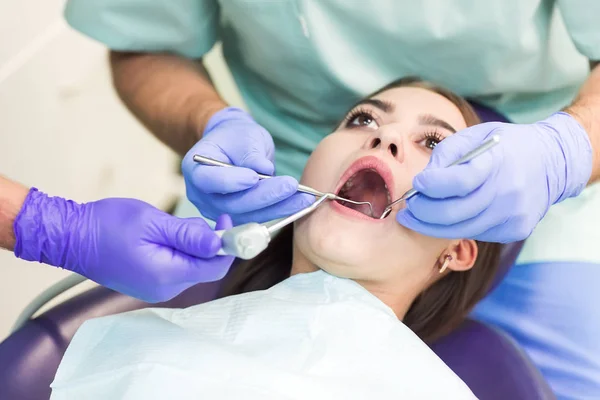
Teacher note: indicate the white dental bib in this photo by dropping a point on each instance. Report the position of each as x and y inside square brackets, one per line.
[313, 336]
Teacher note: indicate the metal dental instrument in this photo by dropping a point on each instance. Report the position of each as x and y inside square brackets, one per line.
[248, 240]
[301, 188]
[485, 146]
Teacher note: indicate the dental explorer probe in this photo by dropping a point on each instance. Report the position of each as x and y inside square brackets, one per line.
[248, 240]
[301, 188]
[485, 146]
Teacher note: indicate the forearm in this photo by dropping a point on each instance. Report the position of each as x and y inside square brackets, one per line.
[586, 110]
[172, 96]
[12, 197]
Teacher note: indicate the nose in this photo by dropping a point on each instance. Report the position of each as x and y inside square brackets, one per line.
[387, 139]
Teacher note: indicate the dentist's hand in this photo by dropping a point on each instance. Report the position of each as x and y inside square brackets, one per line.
[124, 244]
[232, 136]
[501, 195]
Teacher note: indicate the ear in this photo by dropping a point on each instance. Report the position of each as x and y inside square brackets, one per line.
[463, 253]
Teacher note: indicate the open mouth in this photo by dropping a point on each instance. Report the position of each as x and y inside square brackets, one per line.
[366, 185]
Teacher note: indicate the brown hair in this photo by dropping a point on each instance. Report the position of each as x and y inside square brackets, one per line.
[439, 309]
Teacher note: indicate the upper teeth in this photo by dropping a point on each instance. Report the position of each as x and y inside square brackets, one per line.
[349, 183]
[387, 193]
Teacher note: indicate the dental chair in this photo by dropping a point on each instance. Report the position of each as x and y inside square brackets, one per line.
[487, 360]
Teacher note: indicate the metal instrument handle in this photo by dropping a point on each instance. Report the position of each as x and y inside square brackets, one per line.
[209, 161]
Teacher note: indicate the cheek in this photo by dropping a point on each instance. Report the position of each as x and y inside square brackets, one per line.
[316, 235]
[323, 167]
[416, 160]
[419, 160]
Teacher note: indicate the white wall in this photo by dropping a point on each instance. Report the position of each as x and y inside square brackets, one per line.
[63, 130]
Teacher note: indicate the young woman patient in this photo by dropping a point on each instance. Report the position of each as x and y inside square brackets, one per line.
[350, 300]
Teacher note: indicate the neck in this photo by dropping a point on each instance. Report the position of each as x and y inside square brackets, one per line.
[398, 294]
[399, 299]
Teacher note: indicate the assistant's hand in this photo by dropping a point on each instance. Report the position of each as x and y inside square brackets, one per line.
[501, 195]
[123, 244]
[232, 136]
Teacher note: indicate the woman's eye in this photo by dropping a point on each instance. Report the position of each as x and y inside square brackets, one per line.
[430, 143]
[430, 140]
[363, 120]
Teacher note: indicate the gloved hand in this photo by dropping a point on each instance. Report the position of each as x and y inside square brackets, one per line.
[501, 195]
[124, 244]
[232, 136]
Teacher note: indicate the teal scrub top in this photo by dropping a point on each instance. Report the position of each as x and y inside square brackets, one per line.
[301, 64]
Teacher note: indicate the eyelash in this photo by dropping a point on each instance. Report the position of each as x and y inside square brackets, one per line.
[432, 135]
[359, 112]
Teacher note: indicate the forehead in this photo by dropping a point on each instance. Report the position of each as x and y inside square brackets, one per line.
[410, 102]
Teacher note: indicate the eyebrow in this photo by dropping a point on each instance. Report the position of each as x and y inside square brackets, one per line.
[429, 119]
[383, 105]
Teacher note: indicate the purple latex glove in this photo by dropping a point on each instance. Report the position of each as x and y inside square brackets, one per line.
[501, 195]
[232, 136]
[124, 244]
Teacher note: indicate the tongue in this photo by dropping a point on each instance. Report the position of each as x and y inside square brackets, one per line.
[366, 185]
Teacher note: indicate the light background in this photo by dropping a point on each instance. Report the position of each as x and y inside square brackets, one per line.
[64, 130]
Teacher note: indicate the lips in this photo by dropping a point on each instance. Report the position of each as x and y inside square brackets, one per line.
[367, 179]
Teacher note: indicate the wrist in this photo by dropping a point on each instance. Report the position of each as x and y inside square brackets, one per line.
[12, 197]
[575, 152]
[583, 114]
[226, 115]
[584, 110]
[46, 229]
[202, 116]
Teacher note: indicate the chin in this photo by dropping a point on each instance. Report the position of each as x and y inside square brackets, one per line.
[337, 245]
